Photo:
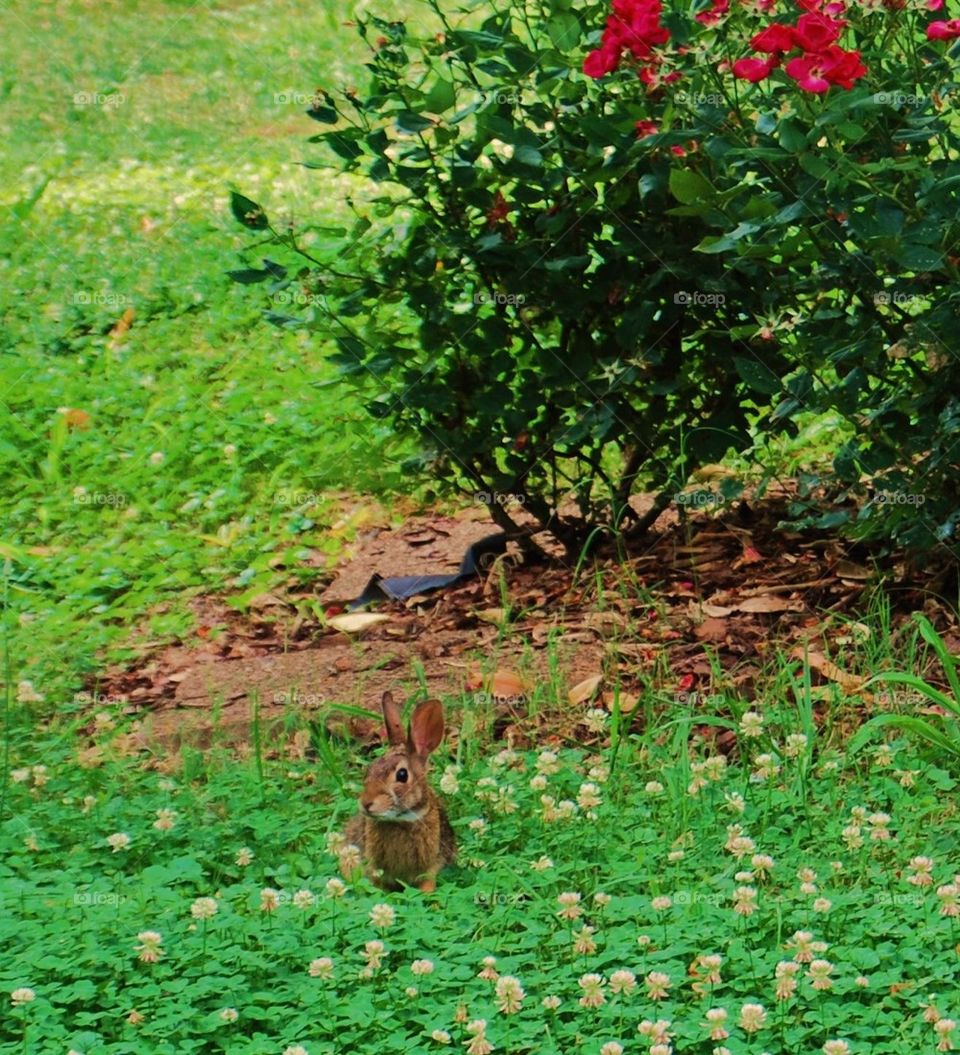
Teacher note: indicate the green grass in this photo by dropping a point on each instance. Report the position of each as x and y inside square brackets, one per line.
[124, 127]
[74, 909]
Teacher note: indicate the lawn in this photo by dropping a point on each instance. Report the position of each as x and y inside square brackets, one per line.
[155, 437]
[613, 893]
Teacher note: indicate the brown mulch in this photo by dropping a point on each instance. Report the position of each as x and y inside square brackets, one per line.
[723, 591]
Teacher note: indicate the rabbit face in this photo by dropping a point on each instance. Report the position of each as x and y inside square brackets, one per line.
[395, 789]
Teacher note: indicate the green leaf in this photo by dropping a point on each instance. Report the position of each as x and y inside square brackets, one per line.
[326, 115]
[814, 165]
[713, 244]
[411, 123]
[564, 30]
[529, 156]
[689, 187]
[440, 97]
[923, 688]
[248, 212]
[917, 726]
[948, 661]
[918, 257]
[567, 263]
[792, 137]
[759, 377]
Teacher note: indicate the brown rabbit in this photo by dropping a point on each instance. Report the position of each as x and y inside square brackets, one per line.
[402, 830]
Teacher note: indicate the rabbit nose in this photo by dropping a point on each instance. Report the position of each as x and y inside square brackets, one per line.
[366, 801]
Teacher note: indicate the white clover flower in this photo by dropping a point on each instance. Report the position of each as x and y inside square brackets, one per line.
[548, 763]
[269, 899]
[149, 950]
[204, 908]
[767, 768]
[26, 693]
[658, 985]
[752, 1018]
[510, 994]
[21, 996]
[383, 915]
[588, 797]
[592, 986]
[623, 981]
[795, 745]
[751, 724]
[335, 888]
[569, 903]
[321, 967]
[303, 899]
[596, 719]
[583, 943]
[820, 971]
[166, 820]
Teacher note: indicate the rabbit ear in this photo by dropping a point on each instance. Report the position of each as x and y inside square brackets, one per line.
[391, 719]
[426, 727]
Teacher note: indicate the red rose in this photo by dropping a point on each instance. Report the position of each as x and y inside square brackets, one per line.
[816, 32]
[715, 14]
[816, 73]
[775, 39]
[755, 69]
[944, 30]
[602, 61]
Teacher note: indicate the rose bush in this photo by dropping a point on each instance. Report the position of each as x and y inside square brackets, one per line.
[842, 120]
[613, 244]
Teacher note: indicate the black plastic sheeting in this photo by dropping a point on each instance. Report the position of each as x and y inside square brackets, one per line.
[401, 587]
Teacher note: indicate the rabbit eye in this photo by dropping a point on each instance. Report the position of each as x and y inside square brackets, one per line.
[401, 775]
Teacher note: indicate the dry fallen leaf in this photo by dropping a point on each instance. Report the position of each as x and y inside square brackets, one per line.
[768, 603]
[501, 684]
[76, 418]
[711, 629]
[850, 683]
[584, 690]
[628, 701]
[606, 624]
[492, 615]
[123, 324]
[848, 569]
[356, 622]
